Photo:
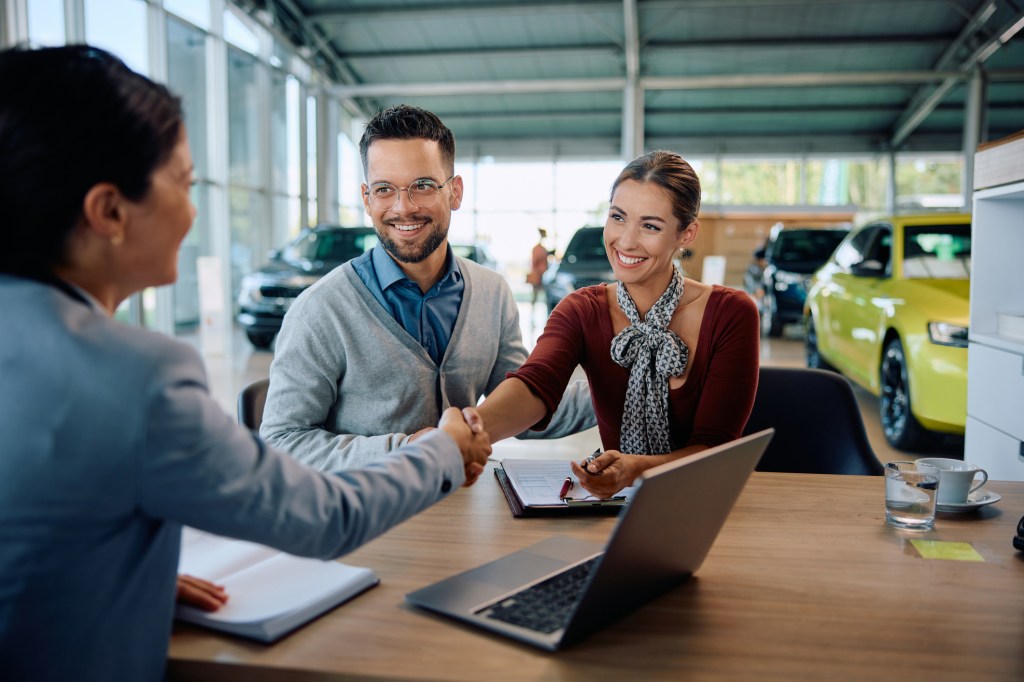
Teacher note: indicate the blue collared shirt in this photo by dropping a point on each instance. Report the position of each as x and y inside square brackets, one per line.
[428, 317]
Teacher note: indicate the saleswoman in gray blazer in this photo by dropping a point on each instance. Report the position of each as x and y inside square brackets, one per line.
[109, 440]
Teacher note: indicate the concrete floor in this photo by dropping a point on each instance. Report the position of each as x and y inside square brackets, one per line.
[239, 364]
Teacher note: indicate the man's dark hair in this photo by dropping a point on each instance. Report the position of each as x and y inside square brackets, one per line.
[72, 117]
[404, 122]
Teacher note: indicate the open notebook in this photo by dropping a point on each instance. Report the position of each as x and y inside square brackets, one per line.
[532, 487]
[270, 593]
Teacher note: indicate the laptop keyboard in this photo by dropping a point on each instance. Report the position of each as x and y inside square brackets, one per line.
[546, 606]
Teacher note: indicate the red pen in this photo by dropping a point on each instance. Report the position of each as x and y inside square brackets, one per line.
[566, 487]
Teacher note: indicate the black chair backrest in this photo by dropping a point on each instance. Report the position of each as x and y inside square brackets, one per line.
[817, 422]
[250, 404]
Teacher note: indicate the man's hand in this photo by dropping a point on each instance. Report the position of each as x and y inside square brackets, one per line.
[466, 428]
[418, 434]
[200, 593]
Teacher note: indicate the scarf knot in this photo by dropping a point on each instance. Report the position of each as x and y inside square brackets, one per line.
[653, 353]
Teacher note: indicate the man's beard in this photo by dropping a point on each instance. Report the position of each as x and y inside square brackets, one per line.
[414, 253]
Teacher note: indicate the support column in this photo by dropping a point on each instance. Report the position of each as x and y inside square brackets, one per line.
[218, 205]
[13, 22]
[303, 158]
[156, 26]
[890, 193]
[973, 107]
[327, 158]
[632, 94]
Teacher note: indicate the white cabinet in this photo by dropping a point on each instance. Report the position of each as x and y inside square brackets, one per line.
[995, 367]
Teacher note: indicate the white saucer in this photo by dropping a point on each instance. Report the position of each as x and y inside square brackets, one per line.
[979, 498]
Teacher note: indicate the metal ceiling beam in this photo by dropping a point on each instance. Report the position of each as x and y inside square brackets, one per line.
[792, 44]
[502, 87]
[916, 114]
[456, 10]
[917, 108]
[461, 10]
[794, 80]
[494, 87]
[613, 113]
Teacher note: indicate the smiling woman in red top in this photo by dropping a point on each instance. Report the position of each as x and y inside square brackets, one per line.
[672, 362]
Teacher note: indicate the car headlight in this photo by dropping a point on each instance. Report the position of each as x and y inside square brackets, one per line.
[787, 278]
[782, 280]
[947, 334]
[249, 290]
[302, 281]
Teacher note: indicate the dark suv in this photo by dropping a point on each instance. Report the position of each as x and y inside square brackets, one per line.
[585, 262]
[789, 258]
[266, 294]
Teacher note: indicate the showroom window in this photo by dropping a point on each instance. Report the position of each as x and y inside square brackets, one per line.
[120, 27]
[46, 22]
[186, 76]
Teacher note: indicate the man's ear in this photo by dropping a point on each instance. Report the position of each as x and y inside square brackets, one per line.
[364, 192]
[457, 189]
[104, 211]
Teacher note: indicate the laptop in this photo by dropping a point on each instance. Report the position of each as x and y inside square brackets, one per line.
[560, 590]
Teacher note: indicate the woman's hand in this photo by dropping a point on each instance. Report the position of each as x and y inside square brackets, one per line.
[200, 593]
[608, 473]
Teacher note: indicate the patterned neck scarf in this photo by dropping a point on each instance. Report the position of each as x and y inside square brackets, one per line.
[655, 354]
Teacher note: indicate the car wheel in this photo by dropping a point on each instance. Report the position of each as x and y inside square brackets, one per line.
[771, 324]
[811, 353]
[261, 340]
[901, 428]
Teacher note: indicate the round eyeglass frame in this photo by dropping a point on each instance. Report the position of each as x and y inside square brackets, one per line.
[373, 199]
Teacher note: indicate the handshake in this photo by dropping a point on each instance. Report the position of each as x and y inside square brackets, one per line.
[467, 429]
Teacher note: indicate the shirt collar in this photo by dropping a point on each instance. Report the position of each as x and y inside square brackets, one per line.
[90, 300]
[388, 272]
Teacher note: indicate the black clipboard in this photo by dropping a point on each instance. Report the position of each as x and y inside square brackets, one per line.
[595, 508]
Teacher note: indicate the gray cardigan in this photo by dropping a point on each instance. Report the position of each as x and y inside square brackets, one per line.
[348, 384]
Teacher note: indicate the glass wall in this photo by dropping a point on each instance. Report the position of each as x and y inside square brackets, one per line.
[284, 153]
[250, 239]
[120, 27]
[311, 160]
[186, 75]
[46, 22]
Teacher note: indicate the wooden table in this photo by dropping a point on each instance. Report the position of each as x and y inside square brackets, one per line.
[805, 582]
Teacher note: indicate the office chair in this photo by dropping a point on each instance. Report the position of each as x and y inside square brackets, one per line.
[818, 427]
[250, 404]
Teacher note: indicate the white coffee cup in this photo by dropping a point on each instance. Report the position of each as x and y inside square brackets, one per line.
[956, 478]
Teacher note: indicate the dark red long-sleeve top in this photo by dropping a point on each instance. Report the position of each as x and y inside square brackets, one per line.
[711, 408]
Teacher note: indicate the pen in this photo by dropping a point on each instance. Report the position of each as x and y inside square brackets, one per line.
[588, 460]
[566, 487]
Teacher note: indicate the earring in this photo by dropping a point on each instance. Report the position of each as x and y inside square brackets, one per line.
[117, 239]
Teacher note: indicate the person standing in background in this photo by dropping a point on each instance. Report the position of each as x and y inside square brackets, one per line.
[538, 266]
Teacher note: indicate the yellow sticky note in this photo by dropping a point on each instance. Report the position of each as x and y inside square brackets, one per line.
[953, 551]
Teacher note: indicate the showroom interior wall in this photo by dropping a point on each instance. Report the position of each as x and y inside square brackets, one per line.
[269, 145]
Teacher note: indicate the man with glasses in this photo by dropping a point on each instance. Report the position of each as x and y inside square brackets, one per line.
[369, 356]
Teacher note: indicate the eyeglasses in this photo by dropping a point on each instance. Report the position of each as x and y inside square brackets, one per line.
[423, 193]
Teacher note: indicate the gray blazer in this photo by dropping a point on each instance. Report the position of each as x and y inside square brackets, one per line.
[110, 442]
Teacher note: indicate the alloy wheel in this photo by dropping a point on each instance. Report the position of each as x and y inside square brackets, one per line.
[899, 425]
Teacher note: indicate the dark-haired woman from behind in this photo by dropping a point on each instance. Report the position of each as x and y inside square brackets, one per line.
[111, 441]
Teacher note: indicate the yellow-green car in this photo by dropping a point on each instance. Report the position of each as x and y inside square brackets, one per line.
[890, 311]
